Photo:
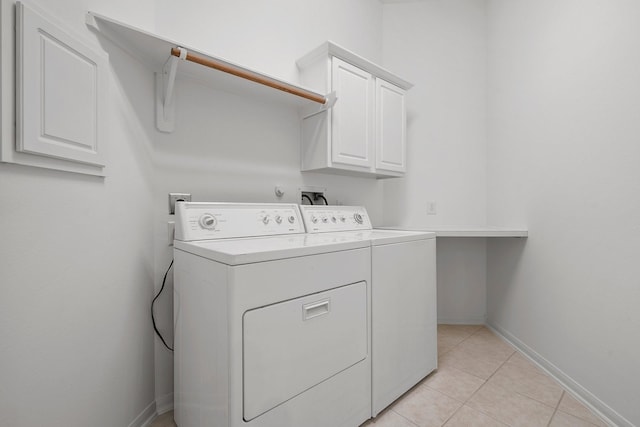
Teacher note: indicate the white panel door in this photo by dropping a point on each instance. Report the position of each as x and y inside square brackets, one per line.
[294, 345]
[390, 127]
[352, 127]
[61, 85]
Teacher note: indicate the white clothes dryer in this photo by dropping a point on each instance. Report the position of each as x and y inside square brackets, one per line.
[272, 325]
[404, 302]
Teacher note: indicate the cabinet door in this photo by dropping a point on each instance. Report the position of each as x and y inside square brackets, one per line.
[352, 140]
[390, 127]
[60, 92]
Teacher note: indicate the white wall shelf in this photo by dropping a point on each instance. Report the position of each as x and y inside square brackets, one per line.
[163, 55]
[470, 231]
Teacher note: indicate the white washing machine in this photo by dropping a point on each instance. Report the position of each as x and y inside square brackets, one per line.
[272, 325]
[403, 288]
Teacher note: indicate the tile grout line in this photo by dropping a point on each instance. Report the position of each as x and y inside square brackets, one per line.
[462, 340]
[445, 394]
[452, 415]
[400, 415]
[516, 351]
[485, 383]
[556, 408]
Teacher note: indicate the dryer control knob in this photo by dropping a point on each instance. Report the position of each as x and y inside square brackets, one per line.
[357, 217]
[325, 219]
[278, 219]
[208, 221]
[291, 219]
[314, 219]
[266, 219]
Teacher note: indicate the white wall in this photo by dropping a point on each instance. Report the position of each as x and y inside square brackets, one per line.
[440, 46]
[76, 272]
[564, 92]
[270, 35]
[82, 256]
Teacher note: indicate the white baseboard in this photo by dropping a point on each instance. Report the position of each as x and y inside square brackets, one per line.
[579, 392]
[158, 407]
[164, 403]
[466, 321]
[145, 417]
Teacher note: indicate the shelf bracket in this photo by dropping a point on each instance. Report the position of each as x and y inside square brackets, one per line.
[165, 85]
[330, 102]
[312, 110]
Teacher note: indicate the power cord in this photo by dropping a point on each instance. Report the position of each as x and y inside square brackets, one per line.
[304, 196]
[153, 318]
[320, 196]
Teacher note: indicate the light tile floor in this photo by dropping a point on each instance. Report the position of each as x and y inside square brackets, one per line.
[481, 381]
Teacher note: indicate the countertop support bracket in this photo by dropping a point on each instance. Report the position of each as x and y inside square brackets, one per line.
[165, 86]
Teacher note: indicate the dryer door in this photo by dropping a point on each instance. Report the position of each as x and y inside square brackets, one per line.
[291, 346]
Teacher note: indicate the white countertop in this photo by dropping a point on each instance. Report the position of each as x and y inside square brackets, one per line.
[467, 231]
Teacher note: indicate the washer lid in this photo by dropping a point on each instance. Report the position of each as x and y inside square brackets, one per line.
[259, 249]
[385, 237]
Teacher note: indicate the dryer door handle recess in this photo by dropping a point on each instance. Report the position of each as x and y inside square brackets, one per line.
[315, 309]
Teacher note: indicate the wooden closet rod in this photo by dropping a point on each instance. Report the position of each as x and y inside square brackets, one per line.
[254, 77]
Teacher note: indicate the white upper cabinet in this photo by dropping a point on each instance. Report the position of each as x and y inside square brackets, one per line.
[365, 131]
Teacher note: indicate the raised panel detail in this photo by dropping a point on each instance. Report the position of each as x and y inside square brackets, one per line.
[390, 127]
[68, 116]
[352, 116]
[61, 84]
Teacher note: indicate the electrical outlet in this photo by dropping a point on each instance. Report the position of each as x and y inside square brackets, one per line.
[312, 196]
[177, 197]
[431, 208]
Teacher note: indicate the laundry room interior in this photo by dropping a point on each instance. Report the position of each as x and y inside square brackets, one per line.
[522, 148]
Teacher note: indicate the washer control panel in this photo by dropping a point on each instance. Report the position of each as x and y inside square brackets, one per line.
[320, 219]
[204, 221]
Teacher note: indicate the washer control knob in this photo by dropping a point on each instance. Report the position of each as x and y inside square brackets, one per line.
[357, 217]
[266, 219]
[314, 219]
[291, 219]
[333, 219]
[278, 219]
[343, 219]
[325, 219]
[208, 221]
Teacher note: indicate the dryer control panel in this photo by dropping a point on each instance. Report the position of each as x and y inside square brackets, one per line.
[323, 218]
[204, 221]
